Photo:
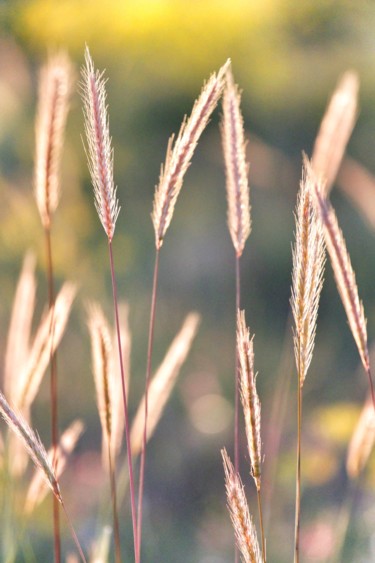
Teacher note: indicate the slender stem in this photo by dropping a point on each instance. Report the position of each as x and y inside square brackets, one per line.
[237, 389]
[262, 535]
[298, 476]
[53, 391]
[116, 527]
[368, 371]
[148, 377]
[74, 535]
[237, 376]
[127, 434]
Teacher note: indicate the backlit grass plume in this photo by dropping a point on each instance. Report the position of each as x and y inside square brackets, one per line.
[99, 150]
[344, 274]
[362, 441]
[55, 86]
[180, 152]
[307, 281]
[335, 130]
[244, 529]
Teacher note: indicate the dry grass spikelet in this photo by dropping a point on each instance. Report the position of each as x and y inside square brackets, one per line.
[18, 340]
[55, 86]
[249, 396]
[362, 441]
[68, 440]
[32, 443]
[99, 151]
[342, 268]
[244, 529]
[163, 382]
[236, 167]
[180, 153]
[308, 270]
[47, 339]
[335, 130]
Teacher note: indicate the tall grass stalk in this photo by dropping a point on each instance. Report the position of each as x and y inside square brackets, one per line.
[178, 158]
[53, 105]
[308, 268]
[251, 410]
[237, 187]
[100, 158]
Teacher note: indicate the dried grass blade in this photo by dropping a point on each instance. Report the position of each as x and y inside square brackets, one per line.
[55, 88]
[180, 153]
[162, 383]
[236, 167]
[244, 529]
[40, 352]
[249, 396]
[17, 348]
[68, 440]
[308, 270]
[342, 268]
[32, 443]
[335, 130]
[99, 151]
[362, 441]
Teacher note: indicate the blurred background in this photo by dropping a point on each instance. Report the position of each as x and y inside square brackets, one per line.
[287, 58]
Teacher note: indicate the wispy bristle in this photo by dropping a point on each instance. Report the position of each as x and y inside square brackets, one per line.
[244, 529]
[236, 167]
[68, 440]
[162, 383]
[249, 396]
[308, 269]
[20, 327]
[55, 87]
[99, 150]
[343, 271]
[32, 443]
[362, 441]
[335, 130]
[180, 153]
[39, 357]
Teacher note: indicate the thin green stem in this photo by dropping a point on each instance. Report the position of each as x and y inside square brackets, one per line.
[53, 391]
[127, 433]
[147, 383]
[262, 534]
[298, 475]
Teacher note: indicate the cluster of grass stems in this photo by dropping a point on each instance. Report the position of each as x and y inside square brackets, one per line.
[28, 358]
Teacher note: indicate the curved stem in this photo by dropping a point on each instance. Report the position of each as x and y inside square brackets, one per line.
[148, 377]
[74, 535]
[127, 434]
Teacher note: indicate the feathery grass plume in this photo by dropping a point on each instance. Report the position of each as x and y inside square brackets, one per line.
[163, 382]
[180, 153]
[45, 341]
[18, 340]
[236, 167]
[68, 440]
[244, 529]
[343, 272]
[335, 130]
[249, 396]
[362, 441]
[99, 151]
[32, 443]
[55, 88]
[308, 270]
